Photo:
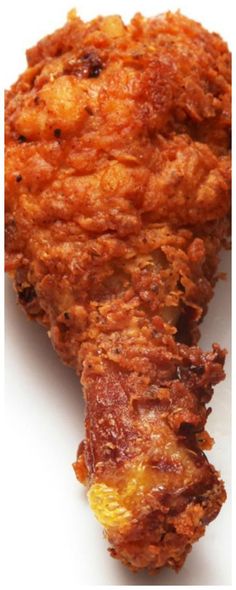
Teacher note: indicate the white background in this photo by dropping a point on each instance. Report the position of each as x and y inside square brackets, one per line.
[52, 540]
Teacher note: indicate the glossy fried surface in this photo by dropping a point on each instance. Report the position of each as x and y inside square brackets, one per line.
[117, 197]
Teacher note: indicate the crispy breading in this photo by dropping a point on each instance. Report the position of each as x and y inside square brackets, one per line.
[117, 199]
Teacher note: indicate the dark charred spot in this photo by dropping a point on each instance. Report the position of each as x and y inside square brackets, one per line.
[87, 56]
[27, 295]
[18, 178]
[94, 71]
[57, 132]
[88, 65]
[37, 100]
[154, 288]
[199, 370]
[89, 110]
[66, 315]
[185, 325]
[187, 430]
[58, 52]
[22, 139]
[117, 351]
[93, 63]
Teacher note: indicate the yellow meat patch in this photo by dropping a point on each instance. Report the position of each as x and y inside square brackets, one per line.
[106, 505]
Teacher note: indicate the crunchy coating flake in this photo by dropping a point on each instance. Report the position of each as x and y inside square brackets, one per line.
[117, 197]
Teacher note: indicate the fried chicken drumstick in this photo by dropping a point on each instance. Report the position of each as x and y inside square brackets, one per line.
[117, 198]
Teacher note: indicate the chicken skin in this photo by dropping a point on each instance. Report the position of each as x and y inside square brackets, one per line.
[117, 205]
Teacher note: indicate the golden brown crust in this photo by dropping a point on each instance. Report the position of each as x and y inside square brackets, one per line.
[117, 197]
